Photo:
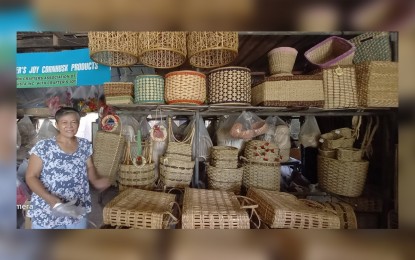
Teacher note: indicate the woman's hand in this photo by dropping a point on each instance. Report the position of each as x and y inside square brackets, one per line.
[101, 183]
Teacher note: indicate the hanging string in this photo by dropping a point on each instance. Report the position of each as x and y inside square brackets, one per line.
[139, 146]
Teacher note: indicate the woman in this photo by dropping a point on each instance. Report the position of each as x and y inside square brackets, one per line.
[58, 172]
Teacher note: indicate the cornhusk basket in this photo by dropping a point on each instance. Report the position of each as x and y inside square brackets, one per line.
[261, 175]
[175, 173]
[340, 87]
[225, 179]
[185, 87]
[283, 210]
[212, 49]
[213, 209]
[140, 209]
[149, 89]
[372, 46]
[342, 177]
[224, 157]
[334, 141]
[289, 91]
[229, 85]
[378, 84]
[332, 51]
[118, 89]
[345, 213]
[115, 49]
[119, 100]
[261, 151]
[281, 60]
[349, 154]
[162, 50]
[180, 150]
[330, 153]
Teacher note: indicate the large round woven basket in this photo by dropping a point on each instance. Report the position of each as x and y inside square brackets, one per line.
[185, 87]
[342, 177]
[262, 176]
[116, 49]
[229, 85]
[162, 50]
[149, 89]
[225, 179]
[212, 49]
[281, 60]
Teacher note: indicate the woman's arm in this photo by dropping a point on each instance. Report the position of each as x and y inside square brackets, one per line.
[100, 183]
[32, 179]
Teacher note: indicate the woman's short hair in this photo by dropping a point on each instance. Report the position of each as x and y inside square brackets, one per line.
[66, 110]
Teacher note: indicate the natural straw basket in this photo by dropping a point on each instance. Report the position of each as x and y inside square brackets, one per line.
[334, 141]
[377, 83]
[281, 60]
[283, 210]
[115, 49]
[349, 154]
[213, 209]
[119, 100]
[185, 87]
[332, 51]
[229, 85]
[330, 153]
[340, 87]
[175, 173]
[289, 91]
[372, 46]
[212, 49]
[261, 175]
[149, 89]
[224, 157]
[141, 209]
[163, 50]
[225, 179]
[342, 177]
[118, 89]
[261, 151]
[345, 213]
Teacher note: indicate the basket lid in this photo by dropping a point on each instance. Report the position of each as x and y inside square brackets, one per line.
[186, 72]
[229, 68]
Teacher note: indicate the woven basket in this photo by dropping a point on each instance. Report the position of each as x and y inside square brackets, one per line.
[283, 210]
[345, 213]
[185, 87]
[378, 84]
[342, 177]
[332, 51]
[225, 179]
[122, 188]
[331, 153]
[176, 173]
[281, 60]
[372, 46]
[343, 132]
[349, 154]
[261, 151]
[340, 87]
[224, 157]
[138, 177]
[106, 160]
[115, 49]
[229, 85]
[140, 209]
[118, 89]
[212, 49]
[213, 209]
[149, 89]
[180, 150]
[289, 91]
[261, 175]
[333, 141]
[119, 100]
[162, 50]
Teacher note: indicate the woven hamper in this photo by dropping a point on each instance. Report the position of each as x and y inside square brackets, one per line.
[289, 91]
[118, 89]
[340, 87]
[349, 154]
[163, 50]
[115, 49]
[261, 175]
[212, 49]
[261, 151]
[281, 60]
[378, 84]
[342, 177]
[229, 85]
[372, 46]
[176, 173]
[185, 87]
[149, 89]
[345, 213]
[330, 153]
[283, 210]
[140, 209]
[225, 179]
[334, 141]
[224, 157]
[213, 209]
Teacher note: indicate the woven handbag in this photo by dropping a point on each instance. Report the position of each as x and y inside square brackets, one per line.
[225, 179]
[372, 46]
[261, 175]
[149, 89]
[229, 85]
[340, 87]
[185, 87]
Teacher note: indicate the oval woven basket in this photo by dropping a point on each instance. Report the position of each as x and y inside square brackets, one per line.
[176, 173]
[185, 87]
[212, 49]
[139, 177]
[115, 49]
[118, 89]
[229, 85]
[149, 89]
[261, 151]
[342, 177]
[262, 175]
[162, 50]
[225, 179]
[281, 60]
[331, 153]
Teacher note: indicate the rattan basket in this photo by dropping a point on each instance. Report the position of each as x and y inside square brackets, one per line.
[213, 209]
[372, 46]
[283, 210]
[115, 49]
[342, 177]
[281, 60]
[261, 175]
[163, 50]
[118, 89]
[340, 87]
[229, 85]
[185, 87]
[349, 154]
[140, 209]
[330, 153]
[261, 151]
[212, 49]
[225, 179]
[176, 173]
[334, 141]
[345, 213]
[224, 157]
[332, 51]
[289, 91]
[149, 89]
[378, 84]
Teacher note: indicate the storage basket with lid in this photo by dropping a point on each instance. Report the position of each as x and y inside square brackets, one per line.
[149, 89]
[185, 87]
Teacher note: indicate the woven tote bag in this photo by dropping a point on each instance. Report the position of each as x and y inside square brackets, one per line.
[372, 46]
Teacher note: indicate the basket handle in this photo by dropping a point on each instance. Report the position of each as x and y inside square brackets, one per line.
[189, 137]
[173, 220]
[252, 207]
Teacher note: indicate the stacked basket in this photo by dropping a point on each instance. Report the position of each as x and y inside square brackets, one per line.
[223, 172]
[118, 93]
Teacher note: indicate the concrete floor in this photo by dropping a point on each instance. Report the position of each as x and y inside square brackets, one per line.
[95, 218]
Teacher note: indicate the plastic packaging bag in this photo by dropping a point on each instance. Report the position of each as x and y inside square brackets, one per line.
[46, 130]
[129, 126]
[223, 135]
[248, 125]
[18, 139]
[309, 132]
[204, 141]
[144, 127]
[27, 131]
[68, 209]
